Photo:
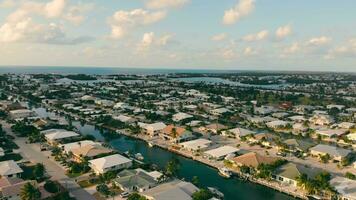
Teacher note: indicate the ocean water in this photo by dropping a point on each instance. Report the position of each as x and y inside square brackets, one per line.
[102, 70]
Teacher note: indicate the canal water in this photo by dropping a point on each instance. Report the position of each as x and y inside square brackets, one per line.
[233, 189]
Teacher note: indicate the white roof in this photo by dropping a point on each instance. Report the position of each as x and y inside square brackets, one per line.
[331, 150]
[122, 118]
[344, 186]
[20, 111]
[9, 167]
[196, 144]
[241, 131]
[221, 151]
[70, 146]
[155, 126]
[331, 132]
[60, 134]
[109, 161]
[181, 116]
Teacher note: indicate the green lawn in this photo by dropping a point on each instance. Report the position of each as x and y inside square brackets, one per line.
[11, 156]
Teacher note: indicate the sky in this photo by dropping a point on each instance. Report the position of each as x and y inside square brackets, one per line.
[318, 35]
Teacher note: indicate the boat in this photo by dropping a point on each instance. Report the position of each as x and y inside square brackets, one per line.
[139, 156]
[150, 144]
[216, 192]
[225, 172]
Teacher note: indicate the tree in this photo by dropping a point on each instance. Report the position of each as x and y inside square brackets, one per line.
[202, 194]
[350, 175]
[136, 196]
[172, 167]
[51, 186]
[195, 180]
[103, 189]
[325, 158]
[39, 171]
[30, 192]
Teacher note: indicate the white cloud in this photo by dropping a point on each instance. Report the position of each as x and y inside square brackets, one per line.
[242, 9]
[317, 41]
[20, 26]
[347, 50]
[123, 21]
[150, 40]
[76, 13]
[257, 36]
[7, 4]
[219, 37]
[54, 8]
[248, 51]
[283, 31]
[159, 4]
[295, 47]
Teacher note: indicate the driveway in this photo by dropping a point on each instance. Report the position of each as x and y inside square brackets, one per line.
[32, 152]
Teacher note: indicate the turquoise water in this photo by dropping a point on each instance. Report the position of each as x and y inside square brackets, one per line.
[233, 189]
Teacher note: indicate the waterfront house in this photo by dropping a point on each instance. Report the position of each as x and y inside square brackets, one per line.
[336, 153]
[89, 151]
[176, 134]
[346, 188]
[252, 159]
[238, 133]
[152, 129]
[110, 163]
[73, 145]
[181, 116]
[196, 145]
[173, 190]
[124, 119]
[134, 180]
[9, 169]
[221, 152]
[56, 136]
[288, 173]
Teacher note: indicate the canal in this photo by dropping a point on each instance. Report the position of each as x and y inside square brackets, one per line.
[233, 189]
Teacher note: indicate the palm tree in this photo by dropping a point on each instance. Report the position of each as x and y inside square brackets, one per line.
[30, 192]
[302, 180]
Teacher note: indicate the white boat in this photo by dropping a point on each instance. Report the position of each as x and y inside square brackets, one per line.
[150, 144]
[139, 156]
[225, 172]
[216, 192]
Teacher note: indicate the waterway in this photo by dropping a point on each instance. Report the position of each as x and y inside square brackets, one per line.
[233, 189]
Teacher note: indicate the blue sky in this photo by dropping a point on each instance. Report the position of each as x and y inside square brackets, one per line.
[213, 34]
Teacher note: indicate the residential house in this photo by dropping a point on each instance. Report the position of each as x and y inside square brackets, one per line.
[181, 116]
[238, 133]
[89, 151]
[219, 111]
[173, 190]
[134, 180]
[21, 114]
[73, 145]
[124, 119]
[277, 124]
[288, 173]
[10, 169]
[221, 152]
[295, 145]
[10, 188]
[152, 129]
[110, 163]
[196, 145]
[336, 153]
[213, 128]
[56, 136]
[321, 120]
[253, 159]
[346, 188]
[329, 133]
[176, 134]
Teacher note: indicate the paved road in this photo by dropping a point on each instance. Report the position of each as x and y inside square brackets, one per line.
[57, 172]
